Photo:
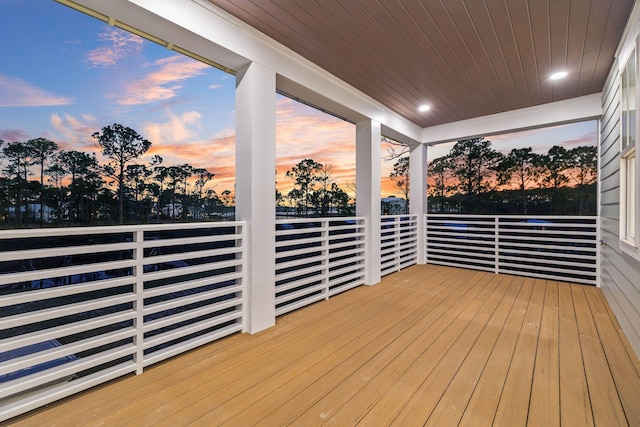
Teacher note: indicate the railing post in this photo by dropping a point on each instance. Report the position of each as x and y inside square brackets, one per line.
[396, 240]
[138, 271]
[325, 247]
[598, 251]
[241, 243]
[496, 244]
[425, 232]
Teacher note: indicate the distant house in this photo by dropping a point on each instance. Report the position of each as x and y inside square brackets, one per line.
[393, 206]
[33, 212]
[172, 210]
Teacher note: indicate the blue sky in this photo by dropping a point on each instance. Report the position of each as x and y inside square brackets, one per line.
[67, 75]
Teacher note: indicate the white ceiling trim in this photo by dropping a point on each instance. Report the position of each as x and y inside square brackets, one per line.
[550, 114]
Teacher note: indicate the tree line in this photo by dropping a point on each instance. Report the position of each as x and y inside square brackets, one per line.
[315, 192]
[475, 178]
[74, 188]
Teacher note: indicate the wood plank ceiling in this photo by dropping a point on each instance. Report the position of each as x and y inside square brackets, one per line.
[466, 58]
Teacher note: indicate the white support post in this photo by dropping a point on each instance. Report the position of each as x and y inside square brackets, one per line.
[368, 140]
[255, 189]
[418, 194]
[138, 255]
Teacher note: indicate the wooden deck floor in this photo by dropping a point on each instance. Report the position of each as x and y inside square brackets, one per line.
[429, 345]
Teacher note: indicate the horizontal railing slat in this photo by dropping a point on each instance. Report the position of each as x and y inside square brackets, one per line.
[20, 404]
[188, 315]
[65, 350]
[52, 374]
[526, 245]
[190, 344]
[35, 275]
[190, 284]
[35, 337]
[51, 303]
[76, 289]
[64, 310]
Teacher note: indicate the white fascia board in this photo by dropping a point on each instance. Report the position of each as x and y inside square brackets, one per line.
[550, 114]
[207, 30]
[628, 39]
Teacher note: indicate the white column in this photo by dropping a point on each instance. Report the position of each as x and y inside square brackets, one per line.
[255, 189]
[418, 193]
[368, 136]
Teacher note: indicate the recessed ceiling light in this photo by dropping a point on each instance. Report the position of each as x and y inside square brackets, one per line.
[559, 75]
[424, 108]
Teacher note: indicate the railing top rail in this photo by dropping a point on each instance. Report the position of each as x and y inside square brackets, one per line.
[75, 231]
[318, 219]
[565, 217]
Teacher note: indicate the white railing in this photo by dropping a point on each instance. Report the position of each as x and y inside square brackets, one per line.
[550, 247]
[317, 258]
[81, 306]
[398, 243]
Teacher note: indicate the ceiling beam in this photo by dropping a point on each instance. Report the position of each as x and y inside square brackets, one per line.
[554, 113]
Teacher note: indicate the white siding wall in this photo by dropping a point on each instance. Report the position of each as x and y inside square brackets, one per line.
[620, 273]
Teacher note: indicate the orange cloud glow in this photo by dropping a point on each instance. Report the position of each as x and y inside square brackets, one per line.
[162, 84]
[176, 129]
[305, 133]
[75, 132]
[217, 155]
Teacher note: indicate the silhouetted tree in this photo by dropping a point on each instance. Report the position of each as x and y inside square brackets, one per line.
[554, 166]
[522, 167]
[340, 200]
[440, 173]
[41, 151]
[473, 162]
[583, 170]
[228, 198]
[120, 144]
[305, 176]
[321, 196]
[85, 182]
[203, 176]
[19, 159]
[136, 180]
[400, 176]
[57, 173]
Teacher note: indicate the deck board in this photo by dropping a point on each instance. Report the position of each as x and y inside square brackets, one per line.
[544, 408]
[429, 345]
[574, 393]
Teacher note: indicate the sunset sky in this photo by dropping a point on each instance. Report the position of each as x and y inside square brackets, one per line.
[65, 75]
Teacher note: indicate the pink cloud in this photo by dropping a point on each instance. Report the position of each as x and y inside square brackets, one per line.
[10, 135]
[74, 133]
[119, 44]
[16, 92]
[161, 84]
[175, 129]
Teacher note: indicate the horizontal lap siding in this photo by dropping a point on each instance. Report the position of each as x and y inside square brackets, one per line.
[620, 274]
